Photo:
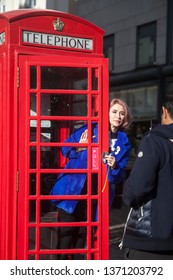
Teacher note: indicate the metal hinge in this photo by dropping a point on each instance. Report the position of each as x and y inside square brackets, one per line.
[17, 180]
[18, 77]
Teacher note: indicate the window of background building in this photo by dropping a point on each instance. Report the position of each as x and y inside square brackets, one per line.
[30, 3]
[142, 101]
[169, 85]
[109, 50]
[146, 44]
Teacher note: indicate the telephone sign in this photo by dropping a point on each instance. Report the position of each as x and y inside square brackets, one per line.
[57, 40]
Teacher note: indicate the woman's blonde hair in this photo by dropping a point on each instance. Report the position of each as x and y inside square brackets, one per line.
[128, 116]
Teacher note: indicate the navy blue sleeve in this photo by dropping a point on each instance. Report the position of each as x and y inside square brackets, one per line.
[139, 186]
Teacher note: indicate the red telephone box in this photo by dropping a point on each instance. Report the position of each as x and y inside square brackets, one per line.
[53, 80]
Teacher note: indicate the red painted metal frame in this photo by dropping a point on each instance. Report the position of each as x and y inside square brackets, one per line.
[103, 221]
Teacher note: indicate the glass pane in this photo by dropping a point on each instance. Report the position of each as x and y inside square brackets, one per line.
[49, 157]
[32, 184]
[94, 237]
[45, 209]
[146, 44]
[95, 105]
[32, 238]
[48, 237]
[45, 136]
[33, 104]
[94, 184]
[32, 211]
[146, 51]
[33, 131]
[33, 157]
[31, 257]
[33, 77]
[48, 257]
[63, 105]
[94, 205]
[94, 73]
[64, 78]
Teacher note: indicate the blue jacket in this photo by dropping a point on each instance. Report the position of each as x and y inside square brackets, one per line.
[121, 153]
[73, 184]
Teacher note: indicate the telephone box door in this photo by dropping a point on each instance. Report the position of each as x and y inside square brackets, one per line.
[57, 96]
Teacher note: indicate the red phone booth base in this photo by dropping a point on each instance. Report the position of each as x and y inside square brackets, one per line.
[53, 82]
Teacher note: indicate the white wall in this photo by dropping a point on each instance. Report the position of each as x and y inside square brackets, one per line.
[11, 5]
[15, 4]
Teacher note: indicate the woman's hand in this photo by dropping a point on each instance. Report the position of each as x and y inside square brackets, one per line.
[110, 161]
[83, 139]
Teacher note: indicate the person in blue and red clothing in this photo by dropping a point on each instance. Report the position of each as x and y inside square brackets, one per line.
[73, 184]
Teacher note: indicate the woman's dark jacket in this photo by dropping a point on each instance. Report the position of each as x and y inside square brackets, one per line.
[73, 183]
[149, 191]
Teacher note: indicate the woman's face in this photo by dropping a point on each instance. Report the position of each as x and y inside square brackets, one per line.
[116, 116]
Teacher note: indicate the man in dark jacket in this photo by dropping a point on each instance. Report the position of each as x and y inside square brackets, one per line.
[148, 191]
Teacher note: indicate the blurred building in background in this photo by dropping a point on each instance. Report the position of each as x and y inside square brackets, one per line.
[139, 44]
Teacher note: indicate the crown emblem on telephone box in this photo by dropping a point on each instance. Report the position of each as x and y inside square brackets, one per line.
[58, 25]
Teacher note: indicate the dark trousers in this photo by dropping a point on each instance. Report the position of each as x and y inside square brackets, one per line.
[131, 254]
[73, 236]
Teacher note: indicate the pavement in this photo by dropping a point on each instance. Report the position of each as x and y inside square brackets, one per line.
[117, 220]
